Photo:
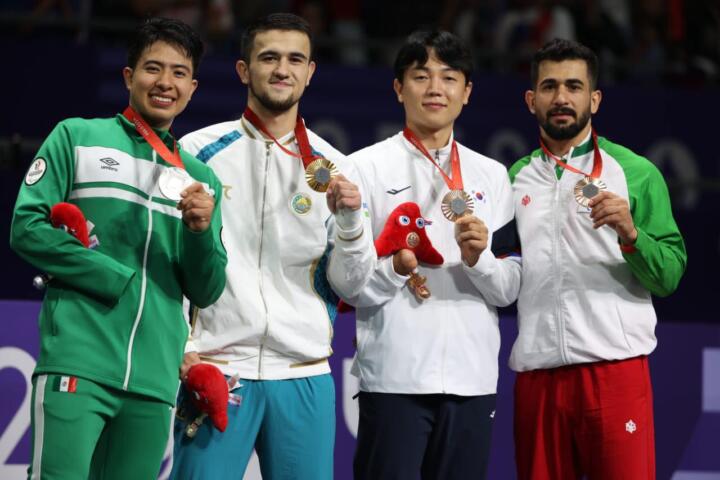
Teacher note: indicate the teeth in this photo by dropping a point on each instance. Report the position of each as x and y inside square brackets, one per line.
[162, 99]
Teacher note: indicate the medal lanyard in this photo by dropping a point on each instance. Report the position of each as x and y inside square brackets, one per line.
[597, 159]
[152, 138]
[300, 135]
[455, 182]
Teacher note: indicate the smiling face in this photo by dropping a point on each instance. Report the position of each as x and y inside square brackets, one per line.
[563, 100]
[278, 70]
[433, 94]
[160, 84]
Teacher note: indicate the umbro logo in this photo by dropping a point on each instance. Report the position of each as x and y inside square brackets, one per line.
[109, 164]
[395, 191]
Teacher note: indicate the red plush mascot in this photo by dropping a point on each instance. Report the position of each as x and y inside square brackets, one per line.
[405, 228]
[210, 393]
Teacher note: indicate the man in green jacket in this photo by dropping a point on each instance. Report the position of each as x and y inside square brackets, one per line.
[112, 331]
[598, 240]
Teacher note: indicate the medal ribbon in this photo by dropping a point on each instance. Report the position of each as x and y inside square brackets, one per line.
[300, 135]
[597, 159]
[455, 182]
[152, 138]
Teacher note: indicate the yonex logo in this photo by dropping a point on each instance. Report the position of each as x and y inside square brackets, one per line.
[109, 164]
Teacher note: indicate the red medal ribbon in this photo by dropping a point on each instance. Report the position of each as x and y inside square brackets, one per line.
[455, 182]
[152, 138]
[300, 135]
[597, 159]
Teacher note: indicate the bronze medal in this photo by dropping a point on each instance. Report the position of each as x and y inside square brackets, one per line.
[412, 239]
[319, 173]
[456, 204]
[587, 188]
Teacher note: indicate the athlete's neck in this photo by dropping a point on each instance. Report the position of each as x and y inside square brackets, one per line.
[278, 124]
[431, 139]
[562, 147]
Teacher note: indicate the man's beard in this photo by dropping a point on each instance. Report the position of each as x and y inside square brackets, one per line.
[564, 132]
[273, 105]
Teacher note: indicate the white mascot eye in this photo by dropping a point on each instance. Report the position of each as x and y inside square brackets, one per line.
[420, 222]
[404, 220]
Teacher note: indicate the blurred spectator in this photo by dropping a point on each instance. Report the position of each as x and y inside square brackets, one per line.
[528, 25]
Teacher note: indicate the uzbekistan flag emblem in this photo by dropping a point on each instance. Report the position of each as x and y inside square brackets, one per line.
[65, 384]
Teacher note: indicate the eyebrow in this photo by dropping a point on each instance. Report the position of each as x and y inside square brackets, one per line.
[162, 64]
[295, 54]
[443, 69]
[569, 81]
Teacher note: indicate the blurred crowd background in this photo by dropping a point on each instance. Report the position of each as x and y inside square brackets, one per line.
[672, 42]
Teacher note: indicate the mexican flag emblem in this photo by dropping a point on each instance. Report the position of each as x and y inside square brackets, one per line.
[65, 384]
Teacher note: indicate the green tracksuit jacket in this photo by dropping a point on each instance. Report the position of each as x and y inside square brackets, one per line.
[113, 314]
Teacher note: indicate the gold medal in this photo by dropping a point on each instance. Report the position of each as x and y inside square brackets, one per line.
[587, 188]
[319, 173]
[456, 204]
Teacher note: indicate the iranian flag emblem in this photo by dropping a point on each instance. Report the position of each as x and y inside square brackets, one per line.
[65, 384]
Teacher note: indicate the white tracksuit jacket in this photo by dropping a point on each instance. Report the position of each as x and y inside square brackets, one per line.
[274, 319]
[448, 343]
[582, 298]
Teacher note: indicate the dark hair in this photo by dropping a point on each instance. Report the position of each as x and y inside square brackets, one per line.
[167, 30]
[448, 47]
[558, 50]
[274, 21]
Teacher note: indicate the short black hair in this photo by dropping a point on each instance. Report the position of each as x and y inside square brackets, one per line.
[171, 31]
[274, 21]
[558, 50]
[449, 48]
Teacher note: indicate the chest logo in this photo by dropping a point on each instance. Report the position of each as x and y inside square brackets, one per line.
[300, 203]
[525, 200]
[395, 191]
[109, 164]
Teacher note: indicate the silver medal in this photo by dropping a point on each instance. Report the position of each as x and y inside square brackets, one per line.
[173, 181]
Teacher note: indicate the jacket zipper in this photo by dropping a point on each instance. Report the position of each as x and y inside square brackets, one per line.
[260, 271]
[444, 347]
[143, 286]
[558, 273]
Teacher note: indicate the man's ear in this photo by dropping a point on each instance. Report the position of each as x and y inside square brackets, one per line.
[243, 71]
[530, 101]
[127, 76]
[397, 86]
[595, 99]
[311, 71]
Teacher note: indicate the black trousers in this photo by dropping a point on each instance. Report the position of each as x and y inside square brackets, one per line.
[406, 437]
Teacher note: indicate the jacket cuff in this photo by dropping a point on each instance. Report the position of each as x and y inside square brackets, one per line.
[485, 265]
[349, 224]
[386, 267]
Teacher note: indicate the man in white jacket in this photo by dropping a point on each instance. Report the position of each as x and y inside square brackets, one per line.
[294, 227]
[428, 368]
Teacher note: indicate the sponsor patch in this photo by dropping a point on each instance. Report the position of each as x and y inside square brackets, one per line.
[300, 203]
[36, 172]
